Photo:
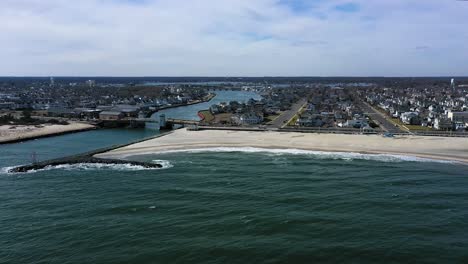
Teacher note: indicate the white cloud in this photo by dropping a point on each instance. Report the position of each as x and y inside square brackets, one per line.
[232, 38]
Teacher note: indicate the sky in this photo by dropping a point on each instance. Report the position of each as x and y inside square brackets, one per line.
[233, 38]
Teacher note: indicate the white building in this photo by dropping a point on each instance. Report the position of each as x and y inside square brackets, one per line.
[458, 116]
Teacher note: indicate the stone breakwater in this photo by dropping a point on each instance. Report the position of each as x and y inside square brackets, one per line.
[88, 157]
[88, 160]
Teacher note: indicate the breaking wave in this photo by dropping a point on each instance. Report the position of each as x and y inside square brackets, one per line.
[5, 170]
[96, 166]
[164, 163]
[314, 154]
[100, 166]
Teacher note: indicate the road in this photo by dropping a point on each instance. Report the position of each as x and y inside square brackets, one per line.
[379, 117]
[287, 115]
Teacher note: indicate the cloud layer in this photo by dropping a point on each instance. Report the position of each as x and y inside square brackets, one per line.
[233, 37]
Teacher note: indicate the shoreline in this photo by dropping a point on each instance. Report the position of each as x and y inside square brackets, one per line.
[241, 148]
[433, 148]
[188, 104]
[43, 132]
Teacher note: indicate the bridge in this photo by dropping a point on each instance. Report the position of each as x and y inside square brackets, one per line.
[169, 122]
[183, 122]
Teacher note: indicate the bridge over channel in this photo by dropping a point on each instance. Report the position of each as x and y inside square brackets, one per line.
[181, 122]
[169, 122]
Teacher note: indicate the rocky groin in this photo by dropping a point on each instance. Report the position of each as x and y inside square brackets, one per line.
[88, 157]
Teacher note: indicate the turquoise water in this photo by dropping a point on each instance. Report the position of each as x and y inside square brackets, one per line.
[230, 206]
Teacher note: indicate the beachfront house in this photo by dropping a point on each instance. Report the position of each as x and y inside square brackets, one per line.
[356, 123]
[410, 118]
[310, 120]
[461, 117]
[247, 119]
[443, 123]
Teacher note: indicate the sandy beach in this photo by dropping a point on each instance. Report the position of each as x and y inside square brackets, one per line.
[442, 148]
[15, 133]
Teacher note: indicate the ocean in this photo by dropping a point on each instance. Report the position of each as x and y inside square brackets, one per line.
[230, 205]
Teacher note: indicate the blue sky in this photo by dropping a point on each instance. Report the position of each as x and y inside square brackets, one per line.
[233, 37]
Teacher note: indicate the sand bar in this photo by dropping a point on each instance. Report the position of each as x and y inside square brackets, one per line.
[443, 148]
[16, 133]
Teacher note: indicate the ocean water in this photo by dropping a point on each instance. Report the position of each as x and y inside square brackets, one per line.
[238, 206]
[230, 205]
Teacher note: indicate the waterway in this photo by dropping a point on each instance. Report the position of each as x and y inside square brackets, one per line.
[191, 112]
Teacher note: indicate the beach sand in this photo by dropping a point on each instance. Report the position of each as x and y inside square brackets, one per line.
[13, 133]
[442, 148]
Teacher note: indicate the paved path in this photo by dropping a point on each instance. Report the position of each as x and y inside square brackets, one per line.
[287, 115]
[382, 119]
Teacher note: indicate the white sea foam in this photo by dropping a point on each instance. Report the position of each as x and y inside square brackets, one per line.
[100, 166]
[164, 163]
[6, 170]
[96, 166]
[314, 154]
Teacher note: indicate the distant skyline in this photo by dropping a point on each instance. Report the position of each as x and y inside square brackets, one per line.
[233, 38]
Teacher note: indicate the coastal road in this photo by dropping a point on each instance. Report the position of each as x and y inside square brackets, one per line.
[287, 115]
[379, 117]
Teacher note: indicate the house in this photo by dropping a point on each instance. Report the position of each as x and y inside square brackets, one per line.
[410, 118]
[88, 113]
[247, 119]
[7, 105]
[442, 123]
[111, 115]
[215, 109]
[309, 121]
[458, 116]
[356, 123]
[127, 110]
[61, 112]
[310, 107]
[259, 106]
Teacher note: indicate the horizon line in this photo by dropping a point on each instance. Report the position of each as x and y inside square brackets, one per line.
[240, 77]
